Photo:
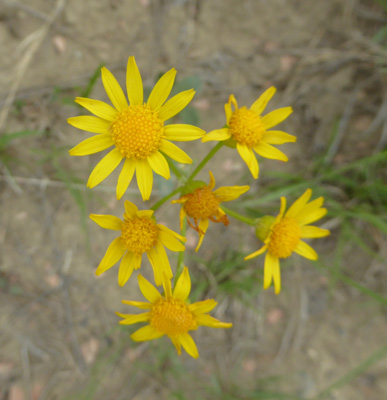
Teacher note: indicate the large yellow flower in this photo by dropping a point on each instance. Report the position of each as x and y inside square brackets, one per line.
[136, 131]
[282, 235]
[203, 205]
[139, 234]
[170, 314]
[248, 130]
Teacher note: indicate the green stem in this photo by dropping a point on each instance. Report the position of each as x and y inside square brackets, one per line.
[180, 259]
[239, 217]
[174, 169]
[205, 161]
[164, 199]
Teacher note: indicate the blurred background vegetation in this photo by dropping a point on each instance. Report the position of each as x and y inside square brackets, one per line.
[324, 336]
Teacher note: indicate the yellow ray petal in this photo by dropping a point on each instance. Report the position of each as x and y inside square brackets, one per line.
[304, 219]
[159, 260]
[134, 83]
[129, 262]
[139, 304]
[145, 213]
[303, 249]
[183, 286]
[228, 193]
[256, 253]
[182, 132]
[146, 333]
[202, 307]
[133, 318]
[170, 241]
[278, 137]
[107, 221]
[148, 290]
[104, 168]
[207, 320]
[270, 264]
[268, 151]
[144, 178]
[260, 104]
[176, 343]
[159, 164]
[212, 183]
[182, 215]
[98, 108]
[276, 276]
[113, 90]
[174, 105]
[228, 112]
[171, 232]
[249, 158]
[203, 226]
[219, 135]
[275, 117]
[92, 145]
[114, 252]
[299, 204]
[131, 210]
[174, 152]
[311, 207]
[89, 123]
[232, 101]
[313, 232]
[161, 90]
[125, 177]
[189, 345]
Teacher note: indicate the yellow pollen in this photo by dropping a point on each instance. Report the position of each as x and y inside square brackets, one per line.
[201, 204]
[284, 237]
[139, 234]
[137, 131]
[246, 127]
[172, 317]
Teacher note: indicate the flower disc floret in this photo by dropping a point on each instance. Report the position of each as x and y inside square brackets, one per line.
[284, 238]
[246, 127]
[139, 234]
[172, 317]
[137, 131]
[202, 203]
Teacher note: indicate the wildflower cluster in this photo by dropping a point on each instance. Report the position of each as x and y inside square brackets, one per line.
[140, 137]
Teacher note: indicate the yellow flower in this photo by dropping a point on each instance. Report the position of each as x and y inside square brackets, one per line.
[139, 234]
[171, 315]
[203, 205]
[248, 130]
[282, 235]
[136, 131]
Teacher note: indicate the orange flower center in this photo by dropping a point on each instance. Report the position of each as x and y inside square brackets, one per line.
[172, 317]
[137, 131]
[284, 237]
[201, 204]
[139, 234]
[246, 127]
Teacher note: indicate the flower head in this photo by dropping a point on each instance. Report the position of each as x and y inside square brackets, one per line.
[139, 234]
[282, 235]
[136, 131]
[170, 314]
[203, 205]
[248, 130]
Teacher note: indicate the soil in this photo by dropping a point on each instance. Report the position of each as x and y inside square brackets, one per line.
[59, 336]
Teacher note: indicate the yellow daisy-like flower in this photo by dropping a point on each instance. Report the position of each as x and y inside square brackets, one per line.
[282, 235]
[248, 130]
[203, 205]
[139, 234]
[171, 315]
[136, 131]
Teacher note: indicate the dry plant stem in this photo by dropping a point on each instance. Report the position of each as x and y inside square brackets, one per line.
[21, 68]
